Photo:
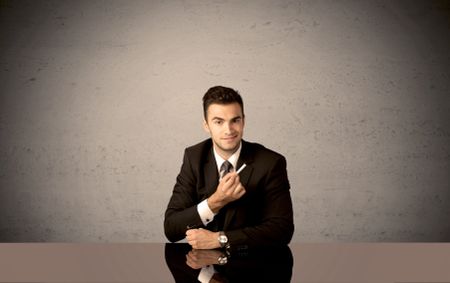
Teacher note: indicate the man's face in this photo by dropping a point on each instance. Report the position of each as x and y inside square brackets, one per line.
[225, 124]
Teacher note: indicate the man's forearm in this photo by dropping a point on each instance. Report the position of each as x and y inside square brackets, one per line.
[269, 233]
[177, 222]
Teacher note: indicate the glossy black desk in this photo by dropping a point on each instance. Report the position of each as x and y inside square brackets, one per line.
[139, 262]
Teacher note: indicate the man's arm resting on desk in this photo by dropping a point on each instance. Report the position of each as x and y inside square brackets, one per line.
[181, 211]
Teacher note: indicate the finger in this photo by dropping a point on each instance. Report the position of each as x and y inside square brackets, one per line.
[226, 187]
[241, 193]
[227, 177]
[229, 183]
[193, 244]
[236, 181]
[192, 257]
[191, 263]
[230, 177]
[236, 187]
[189, 232]
[225, 183]
[238, 191]
[188, 261]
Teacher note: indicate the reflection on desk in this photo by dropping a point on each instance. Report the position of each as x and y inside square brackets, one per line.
[161, 263]
[264, 264]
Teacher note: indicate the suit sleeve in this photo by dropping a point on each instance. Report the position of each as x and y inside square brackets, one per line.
[182, 208]
[276, 225]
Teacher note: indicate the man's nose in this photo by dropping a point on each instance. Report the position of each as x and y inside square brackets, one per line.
[228, 128]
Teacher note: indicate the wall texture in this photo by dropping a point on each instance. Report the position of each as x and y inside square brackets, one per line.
[98, 99]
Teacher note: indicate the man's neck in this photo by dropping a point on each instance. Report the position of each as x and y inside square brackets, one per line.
[230, 156]
[224, 154]
[227, 155]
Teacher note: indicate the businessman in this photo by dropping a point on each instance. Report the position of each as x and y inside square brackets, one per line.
[212, 205]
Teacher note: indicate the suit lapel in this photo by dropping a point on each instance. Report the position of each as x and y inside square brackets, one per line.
[245, 157]
[211, 174]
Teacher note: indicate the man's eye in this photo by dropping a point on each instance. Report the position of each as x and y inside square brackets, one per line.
[217, 122]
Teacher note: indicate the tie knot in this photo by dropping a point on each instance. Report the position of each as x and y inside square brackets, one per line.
[225, 168]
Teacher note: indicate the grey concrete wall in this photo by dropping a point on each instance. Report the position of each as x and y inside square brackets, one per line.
[99, 99]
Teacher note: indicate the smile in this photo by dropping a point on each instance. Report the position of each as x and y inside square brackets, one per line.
[230, 138]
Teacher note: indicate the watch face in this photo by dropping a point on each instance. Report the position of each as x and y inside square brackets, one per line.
[223, 239]
[222, 260]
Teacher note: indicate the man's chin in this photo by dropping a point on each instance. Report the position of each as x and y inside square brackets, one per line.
[229, 148]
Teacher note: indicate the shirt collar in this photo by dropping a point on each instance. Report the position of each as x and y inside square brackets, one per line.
[233, 158]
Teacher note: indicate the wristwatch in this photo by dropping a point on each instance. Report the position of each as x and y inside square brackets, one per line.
[223, 239]
[222, 260]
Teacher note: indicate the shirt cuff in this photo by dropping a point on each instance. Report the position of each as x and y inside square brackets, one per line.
[206, 215]
[206, 273]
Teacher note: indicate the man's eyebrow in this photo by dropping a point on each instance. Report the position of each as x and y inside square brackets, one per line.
[236, 118]
[222, 119]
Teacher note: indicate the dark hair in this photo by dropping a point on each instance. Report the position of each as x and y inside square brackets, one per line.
[221, 95]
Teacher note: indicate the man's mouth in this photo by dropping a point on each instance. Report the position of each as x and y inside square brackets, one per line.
[230, 138]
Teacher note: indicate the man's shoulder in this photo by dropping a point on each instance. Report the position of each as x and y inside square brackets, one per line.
[257, 150]
[200, 148]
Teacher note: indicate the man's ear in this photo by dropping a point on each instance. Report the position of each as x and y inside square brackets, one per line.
[205, 126]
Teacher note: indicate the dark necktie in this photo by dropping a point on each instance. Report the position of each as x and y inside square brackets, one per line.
[226, 168]
[219, 219]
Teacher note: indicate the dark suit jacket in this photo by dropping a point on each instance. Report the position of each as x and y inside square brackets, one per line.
[263, 216]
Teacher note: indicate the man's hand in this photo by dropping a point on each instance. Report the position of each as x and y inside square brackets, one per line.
[202, 239]
[229, 189]
[197, 259]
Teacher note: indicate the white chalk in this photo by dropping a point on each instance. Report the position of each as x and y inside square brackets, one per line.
[240, 169]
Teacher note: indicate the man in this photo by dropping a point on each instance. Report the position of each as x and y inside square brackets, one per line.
[213, 208]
